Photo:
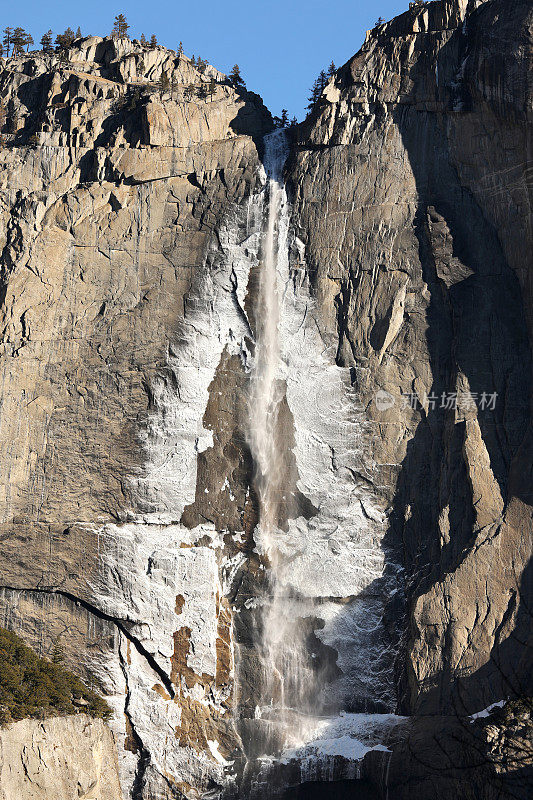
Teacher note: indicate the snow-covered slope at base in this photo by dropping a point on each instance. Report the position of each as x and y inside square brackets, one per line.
[350, 736]
[334, 751]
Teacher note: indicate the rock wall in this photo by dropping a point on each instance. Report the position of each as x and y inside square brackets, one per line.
[130, 241]
[62, 758]
[121, 206]
[412, 197]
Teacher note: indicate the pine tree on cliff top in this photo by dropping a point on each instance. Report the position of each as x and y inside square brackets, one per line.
[318, 88]
[78, 33]
[180, 49]
[19, 40]
[121, 27]
[315, 94]
[211, 87]
[236, 77]
[153, 40]
[46, 42]
[64, 40]
[332, 69]
[7, 40]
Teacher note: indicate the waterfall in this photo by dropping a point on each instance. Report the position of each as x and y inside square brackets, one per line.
[323, 648]
[287, 678]
[265, 392]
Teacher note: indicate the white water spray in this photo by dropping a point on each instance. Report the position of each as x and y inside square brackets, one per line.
[287, 676]
[266, 394]
[318, 655]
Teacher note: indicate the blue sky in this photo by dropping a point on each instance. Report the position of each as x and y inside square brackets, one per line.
[280, 45]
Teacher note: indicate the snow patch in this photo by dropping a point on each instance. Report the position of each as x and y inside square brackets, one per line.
[487, 711]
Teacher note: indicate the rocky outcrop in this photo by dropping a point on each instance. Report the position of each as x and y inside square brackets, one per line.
[411, 181]
[483, 756]
[62, 758]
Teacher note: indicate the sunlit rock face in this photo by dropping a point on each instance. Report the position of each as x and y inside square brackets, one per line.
[241, 660]
[60, 758]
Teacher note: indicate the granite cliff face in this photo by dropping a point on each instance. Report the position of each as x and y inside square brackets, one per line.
[64, 759]
[132, 252]
[115, 202]
[412, 195]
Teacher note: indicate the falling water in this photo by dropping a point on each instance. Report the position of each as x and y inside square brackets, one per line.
[266, 392]
[287, 677]
[295, 382]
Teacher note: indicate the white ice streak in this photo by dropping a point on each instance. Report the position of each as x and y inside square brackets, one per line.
[214, 320]
[487, 711]
[146, 564]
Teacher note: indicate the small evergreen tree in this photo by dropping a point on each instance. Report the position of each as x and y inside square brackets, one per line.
[29, 41]
[58, 652]
[64, 40]
[211, 87]
[201, 65]
[379, 22]
[164, 82]
[143, 40]
[332, 69]
[193, 60]
[153, 40]
[317, 89]
[78, 33]
[46, 42]
[19, 39]
[236, 77]
[180, 50]
[121, 27]
[284, 118]
[188, 91]
[315, 94]
[202, 91]
[293, 122]
[7, 41]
